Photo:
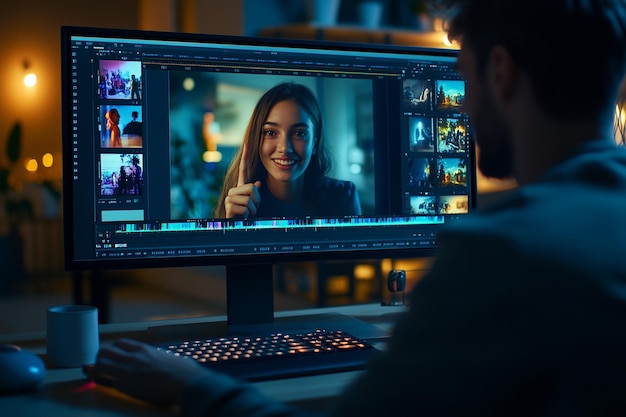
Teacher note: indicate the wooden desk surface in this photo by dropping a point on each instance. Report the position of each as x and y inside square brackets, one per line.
[66, 392]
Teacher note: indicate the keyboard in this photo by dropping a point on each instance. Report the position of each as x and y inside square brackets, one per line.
[278, 355]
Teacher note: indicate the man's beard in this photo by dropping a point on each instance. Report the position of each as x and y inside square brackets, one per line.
[495, 159]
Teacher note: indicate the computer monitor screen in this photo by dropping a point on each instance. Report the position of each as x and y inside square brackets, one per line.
[353, 151]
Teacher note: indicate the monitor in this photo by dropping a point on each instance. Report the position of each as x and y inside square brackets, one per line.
[153, 122]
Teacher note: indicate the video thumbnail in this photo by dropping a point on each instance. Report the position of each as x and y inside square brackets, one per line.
[453, 204]
[121, 126]
[121, 174]
[421, 134]
[452, 133]
[417, 95]
[120, 80]
[422, 175]
[452, 175]
[423, 205]
[450, 94]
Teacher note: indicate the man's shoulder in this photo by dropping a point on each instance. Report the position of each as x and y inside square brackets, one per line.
[563, 213]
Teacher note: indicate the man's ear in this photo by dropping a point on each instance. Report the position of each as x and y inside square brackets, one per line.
[501, 73]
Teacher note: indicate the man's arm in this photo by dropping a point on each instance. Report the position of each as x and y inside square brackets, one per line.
[140, 370]
[462, 347]
[220, 395]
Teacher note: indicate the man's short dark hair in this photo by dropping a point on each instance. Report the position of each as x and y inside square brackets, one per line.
[573, 50]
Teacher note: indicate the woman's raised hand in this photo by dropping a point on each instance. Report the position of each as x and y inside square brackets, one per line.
[244, 199]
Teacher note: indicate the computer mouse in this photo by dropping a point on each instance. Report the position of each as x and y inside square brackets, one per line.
[20, 370]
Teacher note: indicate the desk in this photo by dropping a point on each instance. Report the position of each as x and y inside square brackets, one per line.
[65, 392]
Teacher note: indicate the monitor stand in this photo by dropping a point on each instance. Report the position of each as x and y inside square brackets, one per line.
[249, 294]
[250, 311]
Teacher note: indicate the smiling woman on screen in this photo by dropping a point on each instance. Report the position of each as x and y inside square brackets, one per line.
[280, 169]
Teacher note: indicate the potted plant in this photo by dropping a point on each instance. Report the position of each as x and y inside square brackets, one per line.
[14, 209]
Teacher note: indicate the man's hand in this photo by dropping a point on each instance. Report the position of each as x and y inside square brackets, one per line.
[144, 372]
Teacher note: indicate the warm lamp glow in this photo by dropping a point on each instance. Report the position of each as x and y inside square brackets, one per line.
[364, 272]
[212, 157]
[619, 124]
[47, 160]
[189, 84]
[386, 265]
[30, 80]
[31, 165]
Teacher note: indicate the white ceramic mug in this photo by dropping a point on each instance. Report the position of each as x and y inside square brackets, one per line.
[72, 337]
[370, 13]
[324, 12]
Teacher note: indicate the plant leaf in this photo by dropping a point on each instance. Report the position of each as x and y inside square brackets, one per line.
[4, 180]
[14, 142]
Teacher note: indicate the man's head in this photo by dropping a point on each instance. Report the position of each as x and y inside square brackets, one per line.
[573, 50]
[573, 53]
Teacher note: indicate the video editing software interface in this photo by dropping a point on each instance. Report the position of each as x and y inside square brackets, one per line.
[152, 122]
